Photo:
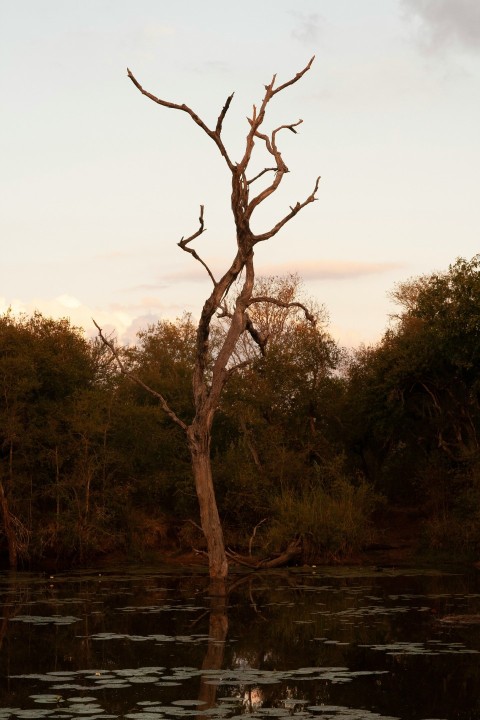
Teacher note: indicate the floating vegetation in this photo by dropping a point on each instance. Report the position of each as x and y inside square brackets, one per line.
[461, 619]
[339, 712]
[153, 609]
[244, 676]
[298, 645]
[190, 639]
[418, 648]
[46, 620]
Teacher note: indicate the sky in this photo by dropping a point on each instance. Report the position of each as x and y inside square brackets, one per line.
[98, 184]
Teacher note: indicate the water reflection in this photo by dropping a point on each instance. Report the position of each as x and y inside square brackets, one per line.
[303, 643]
[217, 635]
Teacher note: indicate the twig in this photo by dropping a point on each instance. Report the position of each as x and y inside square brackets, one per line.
[250, 542]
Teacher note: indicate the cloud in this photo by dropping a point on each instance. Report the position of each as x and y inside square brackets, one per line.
[69, 302]
[139, 323]
[328, 269]
[308, 270]
[147, 286]
[124, 321]
[307, 29]
[444, 25]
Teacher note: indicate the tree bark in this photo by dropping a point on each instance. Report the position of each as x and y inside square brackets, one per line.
[9, 530]
[209, 518]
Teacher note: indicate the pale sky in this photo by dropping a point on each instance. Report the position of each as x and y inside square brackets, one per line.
[98, 184]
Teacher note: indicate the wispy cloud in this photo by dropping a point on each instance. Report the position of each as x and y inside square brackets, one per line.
[308, 270]
[146, 287]
[328, 269]
[307, 28]
[440, 26]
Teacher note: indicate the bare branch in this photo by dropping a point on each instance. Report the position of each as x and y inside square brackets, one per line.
[260, 174]
[221, 117]
[293, 211]
[280, 303]
[185, 241]
[270, 144]
[260, 339]
[132, 376]
[288, 126]
[293, 550]
[295, 79]
[214, 134]
[257, 117]
[223, 311]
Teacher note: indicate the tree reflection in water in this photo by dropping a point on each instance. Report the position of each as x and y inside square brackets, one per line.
[159, 645]
[217, 636]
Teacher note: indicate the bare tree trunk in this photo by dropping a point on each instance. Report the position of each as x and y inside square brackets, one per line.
[212, 528]
[9, 530]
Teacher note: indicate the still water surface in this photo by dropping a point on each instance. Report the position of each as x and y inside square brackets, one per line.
[330, 644]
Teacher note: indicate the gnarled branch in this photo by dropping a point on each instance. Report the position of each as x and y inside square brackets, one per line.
[214, 134]
[184, 242]
[281, 169]
[258, 116]
[132, 376]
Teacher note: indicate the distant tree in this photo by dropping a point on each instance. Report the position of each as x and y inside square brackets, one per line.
[213, 367]
[44, 364]
[416, 395]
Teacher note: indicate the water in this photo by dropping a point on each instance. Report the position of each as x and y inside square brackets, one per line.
[340, 644]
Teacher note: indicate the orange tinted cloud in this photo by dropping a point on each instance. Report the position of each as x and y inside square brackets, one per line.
[307, 270]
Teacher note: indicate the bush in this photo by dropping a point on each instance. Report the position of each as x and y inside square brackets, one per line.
[455, 521]
[332, 519]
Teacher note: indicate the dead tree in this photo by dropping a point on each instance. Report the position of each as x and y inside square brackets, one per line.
[210, 376]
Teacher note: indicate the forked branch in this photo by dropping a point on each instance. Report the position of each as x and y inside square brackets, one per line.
[214, 134]
[293, 211]
[258, 116]
[259, 175]
[184, 242]
[295, 79]
[132, 376]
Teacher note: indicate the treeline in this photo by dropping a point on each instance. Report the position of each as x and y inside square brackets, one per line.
[308, 442]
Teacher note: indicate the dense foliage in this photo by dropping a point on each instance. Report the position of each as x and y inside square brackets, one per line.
[413, 403]
[305, 443]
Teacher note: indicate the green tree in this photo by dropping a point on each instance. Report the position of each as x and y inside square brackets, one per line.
[413, 402]
[277, 424]
[43, 364]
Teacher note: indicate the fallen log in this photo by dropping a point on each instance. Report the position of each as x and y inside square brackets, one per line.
[293, 550]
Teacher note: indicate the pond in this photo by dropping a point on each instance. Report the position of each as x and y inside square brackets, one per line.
[324, 643]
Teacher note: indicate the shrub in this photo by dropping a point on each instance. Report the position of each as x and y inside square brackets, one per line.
[332, 519]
